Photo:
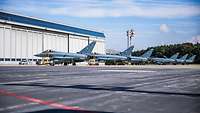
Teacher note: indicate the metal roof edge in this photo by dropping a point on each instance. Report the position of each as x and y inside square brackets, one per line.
[55, 23]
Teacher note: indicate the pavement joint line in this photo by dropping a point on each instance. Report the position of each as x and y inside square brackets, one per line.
[159, 81]
[17, 106]
[171, 79]
[80, 100]
[136, 71]
[16, 82]
[39, 101]
[24, 90]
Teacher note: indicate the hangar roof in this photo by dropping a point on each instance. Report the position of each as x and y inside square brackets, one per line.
[46, 24]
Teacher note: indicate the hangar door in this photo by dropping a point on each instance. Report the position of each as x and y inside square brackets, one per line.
[76, 43]
[99, 47]
[55, 42]
[19, 43]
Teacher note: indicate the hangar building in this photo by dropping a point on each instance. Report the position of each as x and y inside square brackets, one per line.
[21, 37]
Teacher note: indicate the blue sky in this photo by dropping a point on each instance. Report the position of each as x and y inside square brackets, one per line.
[156, 22]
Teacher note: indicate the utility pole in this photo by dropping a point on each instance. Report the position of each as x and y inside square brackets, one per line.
[130, 35]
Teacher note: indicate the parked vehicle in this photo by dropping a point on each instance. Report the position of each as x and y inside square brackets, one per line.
[93, 62]
[24, 62]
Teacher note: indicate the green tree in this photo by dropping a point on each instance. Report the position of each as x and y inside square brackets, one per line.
[169, 50]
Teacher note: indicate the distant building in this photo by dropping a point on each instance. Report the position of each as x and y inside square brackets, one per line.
[112, 52]
[21, 37]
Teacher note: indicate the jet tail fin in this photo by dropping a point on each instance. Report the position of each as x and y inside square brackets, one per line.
[164, 56]
[147, 54]
[174, 56]
[88, 49]
[184, 57]
[192, 58]
[127, 52]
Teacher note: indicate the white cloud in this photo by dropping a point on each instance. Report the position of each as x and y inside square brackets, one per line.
[164, 28]
[126, 8]
[196, 39]
[114, 8]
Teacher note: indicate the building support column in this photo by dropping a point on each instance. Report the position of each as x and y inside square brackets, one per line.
[68, 43]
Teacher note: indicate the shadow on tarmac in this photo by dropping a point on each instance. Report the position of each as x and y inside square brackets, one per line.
[67, 111]
[108, 88]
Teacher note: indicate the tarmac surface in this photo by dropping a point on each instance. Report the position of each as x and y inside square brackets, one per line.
[100, 89]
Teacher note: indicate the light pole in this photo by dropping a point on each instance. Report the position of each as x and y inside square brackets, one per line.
[130, 35]
[127, 33]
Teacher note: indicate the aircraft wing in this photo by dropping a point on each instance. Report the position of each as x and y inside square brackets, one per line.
[110, 58]
[62, 58]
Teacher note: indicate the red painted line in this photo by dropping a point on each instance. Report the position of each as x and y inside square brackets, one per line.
[48, 103]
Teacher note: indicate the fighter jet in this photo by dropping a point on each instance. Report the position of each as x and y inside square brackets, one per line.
[166, 60]
[143, 58]
[57, 57]
[182, 60]
[121, 57]
[190, 60]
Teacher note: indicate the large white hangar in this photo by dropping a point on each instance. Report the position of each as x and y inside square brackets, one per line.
[21, 37]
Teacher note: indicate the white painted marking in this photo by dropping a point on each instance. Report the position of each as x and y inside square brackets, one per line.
[130, 71]
[17, 106]
[164, 81]
[16, 82]
[80, 100]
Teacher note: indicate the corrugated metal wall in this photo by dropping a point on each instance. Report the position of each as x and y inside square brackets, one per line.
[22, 43]
[1, 42]
[55, 42]
[76, 43]
[99, 47]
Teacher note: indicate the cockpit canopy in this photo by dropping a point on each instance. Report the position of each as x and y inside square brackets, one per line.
[48, 51]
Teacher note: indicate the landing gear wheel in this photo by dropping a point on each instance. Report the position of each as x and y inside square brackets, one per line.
[52, 64]
[65, 64]
[74, 63]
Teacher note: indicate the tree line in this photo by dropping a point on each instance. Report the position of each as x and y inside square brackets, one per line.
[169, 50]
